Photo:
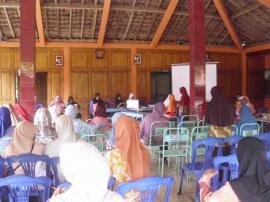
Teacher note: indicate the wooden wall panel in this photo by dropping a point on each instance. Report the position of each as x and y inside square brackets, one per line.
[143, 85]
[101, 84]
[7, 92]
[7, 58]
[42, 60]
[79, 59]
[120, 60]
[54, 85]
[80, 87]
[100, 63]
[120, 84]
[157, 60]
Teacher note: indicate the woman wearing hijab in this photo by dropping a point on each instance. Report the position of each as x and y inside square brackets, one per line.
[71, 101]
[22, 113]
[88, 172]
[56, 108]
[245, 101]
[130, 159]
[156, 115]
[80, 127]
[5, 122]
[170, 105]
[23, 142]
[100, 120]
[184, 102]
[253, 183]
[245, 117]
[65, 131]
[43, 122]
[118, 101]
[219, 114]
[97, 99]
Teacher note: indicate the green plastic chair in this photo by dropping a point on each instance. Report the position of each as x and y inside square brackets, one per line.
[176, 141]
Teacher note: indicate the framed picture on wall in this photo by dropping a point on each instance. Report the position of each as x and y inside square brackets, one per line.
[59, 60]
[137, 59]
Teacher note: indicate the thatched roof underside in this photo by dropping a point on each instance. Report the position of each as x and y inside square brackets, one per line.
[138, 20]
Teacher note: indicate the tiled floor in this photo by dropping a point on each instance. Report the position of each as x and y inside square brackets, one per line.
[188, 188]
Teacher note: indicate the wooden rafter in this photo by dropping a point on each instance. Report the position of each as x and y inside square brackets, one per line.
[225, 37]
[245, 10]
[70, 23]
[258, 48]
[129, 21]
[265, 3]
[94, 25]
[164, 22]
[9, 24]
[104, 20]
[216, 36]
[82, 23]
[46, 23]
[227, 22]
[39, 22]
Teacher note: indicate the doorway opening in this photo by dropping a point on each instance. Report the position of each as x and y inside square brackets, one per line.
[41, 88]
[161, 86]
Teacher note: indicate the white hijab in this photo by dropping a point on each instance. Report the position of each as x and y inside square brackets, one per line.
[88, 172]
[43, 122]
[71, 111]
[65, 131]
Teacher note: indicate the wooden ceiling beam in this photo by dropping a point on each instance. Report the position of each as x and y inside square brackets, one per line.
[245, 10]
[104, 21]
[266, 3]
[129, 21]
[64, 44]
[227, 22]
[164, 22]
[258, 48]
[9, 23]
[82, 23]
[39, 22]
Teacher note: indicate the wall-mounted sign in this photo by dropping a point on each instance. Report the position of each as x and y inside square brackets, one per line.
[137, 59]
[99, 53]
[59, 60]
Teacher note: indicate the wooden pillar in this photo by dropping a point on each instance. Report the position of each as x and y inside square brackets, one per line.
[197, 54]
[133, 72]
[27, 91]
[244, 72]
[66, 73]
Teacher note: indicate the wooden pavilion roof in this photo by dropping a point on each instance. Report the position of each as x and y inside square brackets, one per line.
[227, 22]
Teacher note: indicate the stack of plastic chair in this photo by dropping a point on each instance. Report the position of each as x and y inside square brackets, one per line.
[197, 167]
[175, 144]
[232, 141]
[3, 190]
[147, 188]
[249, 129]
[230, 173]
[20, 187]
[156, 134]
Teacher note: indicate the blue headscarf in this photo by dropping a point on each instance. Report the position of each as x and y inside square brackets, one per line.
[114, 119]
[5, 120]
[246, 117]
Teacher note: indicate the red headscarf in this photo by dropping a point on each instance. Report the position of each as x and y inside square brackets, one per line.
[184, 101]
[22, 113]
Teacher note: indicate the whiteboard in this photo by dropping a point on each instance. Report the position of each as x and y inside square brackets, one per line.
[181, 77]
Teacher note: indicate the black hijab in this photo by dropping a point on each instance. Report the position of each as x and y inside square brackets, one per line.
[219, 110]
[253, 184]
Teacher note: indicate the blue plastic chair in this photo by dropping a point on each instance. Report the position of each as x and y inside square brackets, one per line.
[198, 167]
[147, 187]
[54, 163]
[28, 162]
[265, 137]
[230, 167]
[21, 186]
[235, 130]
[64, 186]
[3, 190]
[233, 142]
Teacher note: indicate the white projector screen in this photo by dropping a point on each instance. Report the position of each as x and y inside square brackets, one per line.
[180, 77]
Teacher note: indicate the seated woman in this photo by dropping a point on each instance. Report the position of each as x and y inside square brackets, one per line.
[6, 128]
[88, 172]
[118, 101]
[65, 132]
[156, 115]
[219, 114]
[43, 122]
[23, 142]
[245, 116]
[22, 113]
[100, 119]
[245, 101]
[56, 108]
[170, 105]
[253, 183]
[130, 159]
[93, 102]
[80, 127]
[71, 101]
